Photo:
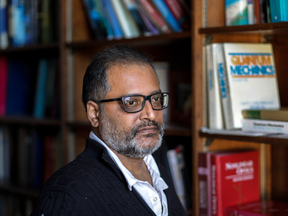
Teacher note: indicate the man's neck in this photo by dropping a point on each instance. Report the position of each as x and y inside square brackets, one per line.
[136, 166]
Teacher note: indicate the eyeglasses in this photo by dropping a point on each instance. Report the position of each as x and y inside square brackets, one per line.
[135, 103]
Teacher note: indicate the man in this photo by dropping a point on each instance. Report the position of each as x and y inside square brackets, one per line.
[116, 174]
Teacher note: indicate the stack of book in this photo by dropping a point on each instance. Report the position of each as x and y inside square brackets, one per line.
[244, 12]
[239, 76]
[227, 178]
[266, 121]
[112, 19]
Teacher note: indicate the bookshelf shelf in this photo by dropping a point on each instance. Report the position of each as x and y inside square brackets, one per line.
[143, 40]
[265, 28]
[31, 48]
[29, 121]
[18, 191]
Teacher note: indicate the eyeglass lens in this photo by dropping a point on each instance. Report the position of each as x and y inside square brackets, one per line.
[135, 103]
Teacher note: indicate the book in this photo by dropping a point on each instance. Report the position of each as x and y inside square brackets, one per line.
[153, 13]
[162, 70]
[134, 11]
[236, 12]
[235, 179]
[258, 208]
[50, 88]
[95, 21]
[148, 22]
[3, 24]
[40, 92]
[127, 23]
[179, 13]
[265, 126]
[3, 84]
[263, 11]
[168, 16]
[215, 117]
[112, 18]
[250, 68]
[268, 11]
[250, 12]
[267, 114]
[257, 12]
[108, 27]
[279, 10]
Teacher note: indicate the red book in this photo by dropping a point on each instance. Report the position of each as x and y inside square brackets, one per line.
[234, 179]
[259, 208]
[3, 84]
[257, 11]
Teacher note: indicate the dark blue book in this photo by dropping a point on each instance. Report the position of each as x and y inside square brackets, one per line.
[20, 88]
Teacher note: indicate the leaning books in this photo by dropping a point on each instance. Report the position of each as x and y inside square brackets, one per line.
[247, 77]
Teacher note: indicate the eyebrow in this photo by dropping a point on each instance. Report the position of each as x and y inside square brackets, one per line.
[136, 94]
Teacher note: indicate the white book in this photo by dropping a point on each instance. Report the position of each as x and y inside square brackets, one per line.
[127, 23]
[162, 70]
[265, 126]
[251, 78]
[215, 116]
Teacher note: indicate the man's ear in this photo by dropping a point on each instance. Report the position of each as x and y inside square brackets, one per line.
[93, 113]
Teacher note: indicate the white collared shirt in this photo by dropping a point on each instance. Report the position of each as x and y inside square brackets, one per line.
[153, 196]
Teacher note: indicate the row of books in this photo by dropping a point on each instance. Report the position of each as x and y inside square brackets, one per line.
[27, 157]
[29, 89]
[244, 12]
[12, 205]
[112, 19]
[28, 22]
[240, 76]
[227, 178]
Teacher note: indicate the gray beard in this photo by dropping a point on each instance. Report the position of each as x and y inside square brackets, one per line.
[125, 143]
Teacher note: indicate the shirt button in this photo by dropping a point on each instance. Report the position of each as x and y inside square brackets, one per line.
[155, 199]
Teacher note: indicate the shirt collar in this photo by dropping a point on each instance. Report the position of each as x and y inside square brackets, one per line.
[131, 180]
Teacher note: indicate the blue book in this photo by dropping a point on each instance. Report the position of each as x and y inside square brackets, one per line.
[236, 12]
[3, 25]
[40, 99]
[112, 18]
[20, 88]
[99, 7]
[18, 22]
[279, 10]
[166, 13]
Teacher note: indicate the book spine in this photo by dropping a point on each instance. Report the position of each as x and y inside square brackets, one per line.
[164, 10]
[236, 12]
[284, 10]
[214, 194]
[148, 22]
[224, 88]
[250, 8]
[3, 84]
[154, 15]
[275, 11]
[108, 8]
[268, 9]
[104, 18]
[251, 114]
[263, 11]
[3, 25]
[126, 21]
[203, 172]
[257, 12]
[265, 126]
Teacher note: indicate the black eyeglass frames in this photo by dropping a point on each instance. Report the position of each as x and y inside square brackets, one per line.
[135, 103]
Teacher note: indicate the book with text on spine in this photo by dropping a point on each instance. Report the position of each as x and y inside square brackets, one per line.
[235, 179]
[265, 126]
[251, 78]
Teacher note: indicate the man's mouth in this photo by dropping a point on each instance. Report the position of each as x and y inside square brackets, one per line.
[147, 130]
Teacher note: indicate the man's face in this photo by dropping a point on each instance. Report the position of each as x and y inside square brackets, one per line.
[131, 134]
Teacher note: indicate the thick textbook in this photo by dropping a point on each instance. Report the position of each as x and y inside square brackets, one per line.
[265, 126]
[236, 12]
[249, 79]
[215, 117]
[235, 179]
[259, 208]
[267, 114]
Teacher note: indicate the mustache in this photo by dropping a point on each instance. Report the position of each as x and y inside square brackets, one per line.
[159, 127]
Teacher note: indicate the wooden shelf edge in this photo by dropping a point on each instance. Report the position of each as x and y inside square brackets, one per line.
[141, 40]
[257, 28]
[28, 121]
[274, 139]
[34, 47]
[18, 190]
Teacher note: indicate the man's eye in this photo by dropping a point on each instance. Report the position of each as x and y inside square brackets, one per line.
[131, 103]
[155, 99]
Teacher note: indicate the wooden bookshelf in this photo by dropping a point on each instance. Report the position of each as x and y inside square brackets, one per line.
[209, 26]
